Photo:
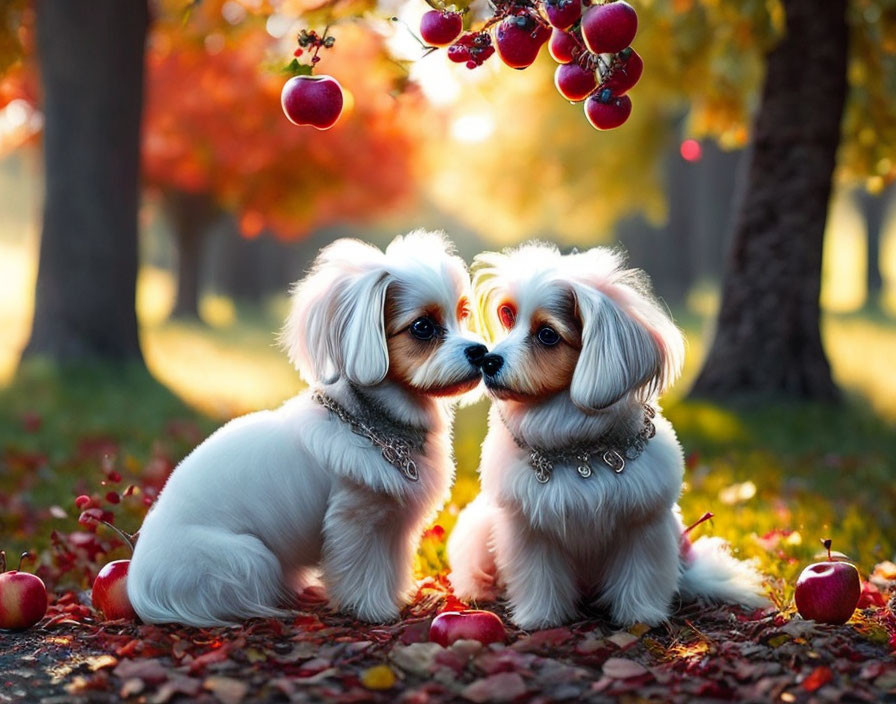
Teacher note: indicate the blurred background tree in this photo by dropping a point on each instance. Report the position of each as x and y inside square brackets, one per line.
[91, 68]
[216, 141]
[503, 157]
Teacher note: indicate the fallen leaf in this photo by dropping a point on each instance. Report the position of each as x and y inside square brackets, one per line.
[416, 657]
[623, 668]
[623, 639]
[98, 662]
[378, 677]
[175, 686]
[818, 678]
[503, 687]
[150, 670]
[227, 689]
[870, 597]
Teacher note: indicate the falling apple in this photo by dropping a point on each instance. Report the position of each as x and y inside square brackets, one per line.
[23, 597]
[828, 592]
[110, 594]
[312, 100]
[450, 626]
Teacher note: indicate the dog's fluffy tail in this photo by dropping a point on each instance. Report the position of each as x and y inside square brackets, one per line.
[709, 572]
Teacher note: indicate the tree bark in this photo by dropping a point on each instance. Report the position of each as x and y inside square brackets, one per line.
[191, 215]
[91, 56]
[768, 343]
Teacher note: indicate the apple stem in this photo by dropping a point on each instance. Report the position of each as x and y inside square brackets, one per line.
[705, 517]
[827, 546]
[427, 50]
[126, 537]
[2, 561]
[22, 557]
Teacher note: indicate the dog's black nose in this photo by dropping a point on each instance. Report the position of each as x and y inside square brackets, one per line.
[491, 364]
[475, 353]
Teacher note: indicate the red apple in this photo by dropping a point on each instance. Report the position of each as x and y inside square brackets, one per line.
[606, 111]
[563, 14]
[110, 593]
[625, 72]
[828, 592]
[23, 597]
[519, 39]
[450, 626]
[312, 100]
[574, 82]
[441, 28]
[562, 46]
[608, 29]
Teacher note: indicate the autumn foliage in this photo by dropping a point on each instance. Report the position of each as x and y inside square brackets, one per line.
[214, 124]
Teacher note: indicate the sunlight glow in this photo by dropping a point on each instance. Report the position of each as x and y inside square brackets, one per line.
[473, 128]
[18, 121]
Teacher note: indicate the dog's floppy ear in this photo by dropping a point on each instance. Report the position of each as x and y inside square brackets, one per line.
[619, 353]
[336, 328]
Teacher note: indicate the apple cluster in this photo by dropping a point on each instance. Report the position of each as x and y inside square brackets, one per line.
[591, 42]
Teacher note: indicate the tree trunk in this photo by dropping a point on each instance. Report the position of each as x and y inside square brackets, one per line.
[874, 210]
[91, 56]
[768, 342]
[191, 215]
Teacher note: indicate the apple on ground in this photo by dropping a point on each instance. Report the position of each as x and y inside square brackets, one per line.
[451, 626]
[23, 597]
[828, 592]
[312, 100]
[110, 595]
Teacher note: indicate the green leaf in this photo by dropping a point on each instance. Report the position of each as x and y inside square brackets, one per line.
[294, 68]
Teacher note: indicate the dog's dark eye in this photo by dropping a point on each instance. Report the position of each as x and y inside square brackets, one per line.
[423, 329]
[547, 336]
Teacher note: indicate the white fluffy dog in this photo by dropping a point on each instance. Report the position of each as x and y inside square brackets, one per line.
[342, 478]
[580, 473]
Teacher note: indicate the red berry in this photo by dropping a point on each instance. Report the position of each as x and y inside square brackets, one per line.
[562, 46]
[472, 49]
[458, 53]
[608, 29]
[519, 39]
[83, 501]
[625, 71]
[609, 114]
[563, 14]
[441, 28]
[312, 100]
[574, 82]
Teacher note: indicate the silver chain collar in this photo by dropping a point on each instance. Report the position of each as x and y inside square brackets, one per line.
[395, 444]
[613, 455]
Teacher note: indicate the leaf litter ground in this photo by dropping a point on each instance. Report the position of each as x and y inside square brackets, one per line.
[702, 654]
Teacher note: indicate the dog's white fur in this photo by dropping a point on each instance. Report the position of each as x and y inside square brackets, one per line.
[273, 495]
[613, 539]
